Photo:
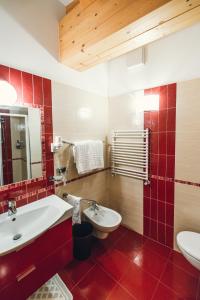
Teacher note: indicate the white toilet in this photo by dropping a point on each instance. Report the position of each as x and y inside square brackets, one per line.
[189, 244]
[104, 220]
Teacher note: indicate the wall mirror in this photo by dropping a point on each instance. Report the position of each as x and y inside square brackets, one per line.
[20, 144]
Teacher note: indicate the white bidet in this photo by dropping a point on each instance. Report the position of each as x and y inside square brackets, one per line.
[103, 219]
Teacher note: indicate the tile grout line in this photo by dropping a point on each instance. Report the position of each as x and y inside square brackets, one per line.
[76, 284]
[159, 280]
[171, 289]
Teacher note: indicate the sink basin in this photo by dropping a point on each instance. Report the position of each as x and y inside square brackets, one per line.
[30, 221]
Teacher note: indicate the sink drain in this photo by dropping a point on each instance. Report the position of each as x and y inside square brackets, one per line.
[17, 236]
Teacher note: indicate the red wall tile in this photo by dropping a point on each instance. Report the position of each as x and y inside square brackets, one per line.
[27, 88]
[16, 81]
[160, 200]
[38, 90]
[4, 73]
[171, 101]
[47, 92]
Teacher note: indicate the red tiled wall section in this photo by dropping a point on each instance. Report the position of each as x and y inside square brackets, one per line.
[33, 91]
[159, 195]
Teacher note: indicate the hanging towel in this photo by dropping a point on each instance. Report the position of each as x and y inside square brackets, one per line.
[88, 156]
[75, 202]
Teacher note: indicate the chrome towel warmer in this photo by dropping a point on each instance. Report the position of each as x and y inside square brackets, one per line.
[130, 154]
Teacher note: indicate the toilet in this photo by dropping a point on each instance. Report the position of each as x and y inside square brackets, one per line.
[189, 244]
[104, 220]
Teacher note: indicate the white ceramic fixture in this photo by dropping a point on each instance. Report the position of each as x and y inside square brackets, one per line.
[189, 244]
[30, 221]
[104, 220]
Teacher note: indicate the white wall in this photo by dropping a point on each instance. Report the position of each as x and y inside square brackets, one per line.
[171, 59]
[29, 41]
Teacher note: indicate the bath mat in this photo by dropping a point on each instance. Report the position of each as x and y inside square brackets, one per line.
[54, 289]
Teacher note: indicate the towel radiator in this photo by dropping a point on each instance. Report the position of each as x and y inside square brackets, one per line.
[130, 154]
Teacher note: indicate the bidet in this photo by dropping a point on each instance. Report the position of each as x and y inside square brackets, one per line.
[103, 219]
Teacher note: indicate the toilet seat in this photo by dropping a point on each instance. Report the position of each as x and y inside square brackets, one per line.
[190, 242]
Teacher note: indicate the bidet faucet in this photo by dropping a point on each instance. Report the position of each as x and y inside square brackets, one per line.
[94, 205]
[12, 209]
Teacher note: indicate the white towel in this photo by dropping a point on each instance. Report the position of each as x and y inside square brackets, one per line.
[88, 156]
[75, 202]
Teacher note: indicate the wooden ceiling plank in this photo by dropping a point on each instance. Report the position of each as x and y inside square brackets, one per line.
[159, 16]
[113, 14]
[90, 19]
[180, 22]
[72, 5]
[115, 27]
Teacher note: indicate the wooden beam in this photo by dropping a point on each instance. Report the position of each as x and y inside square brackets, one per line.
[111, 28]
[71, 5]
[100, 20]
[85, 3]
[181, 22]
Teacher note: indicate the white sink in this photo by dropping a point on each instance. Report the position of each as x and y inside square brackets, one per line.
[31, 220]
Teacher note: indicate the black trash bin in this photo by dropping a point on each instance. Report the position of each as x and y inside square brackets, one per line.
[82, 240]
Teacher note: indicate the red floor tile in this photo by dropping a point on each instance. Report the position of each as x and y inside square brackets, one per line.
[99, 248]
[150, 262]
[198, 291]
[180, 282]
[139, 283]
[77, 294]
[130, 244]
[97, 284]
[163, 293]
[179, 260]
[119, 293]
[115, 263]
[66, 278]
[133, 268]
[159, 249]
[114, 236]
[78, 269]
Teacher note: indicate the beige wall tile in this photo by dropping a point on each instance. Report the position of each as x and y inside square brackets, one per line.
[92, 187]
[187, 165]
[126, 196]
[187, 208]
[123, 194]
[78, 114]
[124, 112]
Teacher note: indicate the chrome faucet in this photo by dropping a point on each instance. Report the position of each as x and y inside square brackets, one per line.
[12, 209]
[94, 205]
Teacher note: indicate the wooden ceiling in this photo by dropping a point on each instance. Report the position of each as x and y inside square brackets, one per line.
[95, 31]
